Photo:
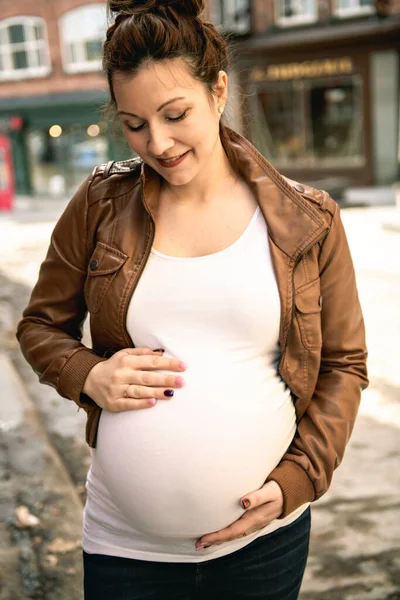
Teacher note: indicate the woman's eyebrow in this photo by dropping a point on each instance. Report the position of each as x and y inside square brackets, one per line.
[124, 112]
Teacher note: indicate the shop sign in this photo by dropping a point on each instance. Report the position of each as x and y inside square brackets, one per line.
[308, 68]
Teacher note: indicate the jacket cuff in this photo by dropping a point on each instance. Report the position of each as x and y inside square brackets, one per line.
[296, 487]
[74, 374]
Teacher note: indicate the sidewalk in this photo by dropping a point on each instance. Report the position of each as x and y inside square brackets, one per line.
[386, 199]
[30, 209]
[40, 511]
[370, 196]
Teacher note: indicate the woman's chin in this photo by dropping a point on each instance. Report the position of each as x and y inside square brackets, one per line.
[179, 179]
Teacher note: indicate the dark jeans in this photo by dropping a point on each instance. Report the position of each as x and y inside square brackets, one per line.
[270, 568]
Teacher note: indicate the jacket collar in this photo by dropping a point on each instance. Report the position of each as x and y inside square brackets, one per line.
[293, 223]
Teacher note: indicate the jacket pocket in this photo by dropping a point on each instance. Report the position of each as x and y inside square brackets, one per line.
[308, 302]
[104, 265]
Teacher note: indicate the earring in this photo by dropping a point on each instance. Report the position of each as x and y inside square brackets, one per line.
[221, 110]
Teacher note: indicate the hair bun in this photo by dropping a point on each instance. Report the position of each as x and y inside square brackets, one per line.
[188, 8]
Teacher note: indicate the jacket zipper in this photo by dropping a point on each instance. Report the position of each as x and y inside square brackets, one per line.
[298, 259]
[142, 265]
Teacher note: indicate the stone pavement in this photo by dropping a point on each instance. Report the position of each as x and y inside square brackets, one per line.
[355, 545]
[40, 510]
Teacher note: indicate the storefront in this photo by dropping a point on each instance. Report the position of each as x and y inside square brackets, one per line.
[326, 116]
[58, 141]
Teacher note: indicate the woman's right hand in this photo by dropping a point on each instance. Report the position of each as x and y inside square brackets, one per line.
[128, 381]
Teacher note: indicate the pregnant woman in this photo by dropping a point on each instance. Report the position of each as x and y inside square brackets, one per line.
[228, 350]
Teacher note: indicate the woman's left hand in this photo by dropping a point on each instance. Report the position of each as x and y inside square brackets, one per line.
[262, 507]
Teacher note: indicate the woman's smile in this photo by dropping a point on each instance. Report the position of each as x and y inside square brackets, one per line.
[173, 162]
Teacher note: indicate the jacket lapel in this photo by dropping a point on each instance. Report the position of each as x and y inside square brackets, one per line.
[293, 223]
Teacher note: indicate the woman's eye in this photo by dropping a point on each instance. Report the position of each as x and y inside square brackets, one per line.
[180, 118]
[138, 128]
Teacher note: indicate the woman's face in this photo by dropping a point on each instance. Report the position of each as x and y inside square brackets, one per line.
[170, 120]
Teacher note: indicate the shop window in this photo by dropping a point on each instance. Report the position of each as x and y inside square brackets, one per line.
[311, 123]
[295, 12]
[23, 48]
[281, 134]
[231, 15]
[60, 157]
[83, 31]
[353, 8]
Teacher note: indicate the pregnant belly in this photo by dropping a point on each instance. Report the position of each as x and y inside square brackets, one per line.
[179, 469]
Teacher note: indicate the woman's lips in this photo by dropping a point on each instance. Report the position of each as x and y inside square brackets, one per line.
[173, 163]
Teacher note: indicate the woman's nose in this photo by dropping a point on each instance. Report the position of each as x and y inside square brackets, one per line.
[159, 142]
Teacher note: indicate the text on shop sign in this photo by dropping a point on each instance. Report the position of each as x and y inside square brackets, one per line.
[308, 68]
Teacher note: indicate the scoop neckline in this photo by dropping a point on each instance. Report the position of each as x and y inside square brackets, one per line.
[213, 254]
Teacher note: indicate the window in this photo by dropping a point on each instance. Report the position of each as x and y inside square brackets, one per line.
[310, 123]
[231, 15]
[57, 164]
[295, 12]
[353, 8]
[23, 48]
[83, 31]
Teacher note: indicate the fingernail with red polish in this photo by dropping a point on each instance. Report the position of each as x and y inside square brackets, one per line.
[180, 381]
[152, 401]
[183, 366]
[245, 503]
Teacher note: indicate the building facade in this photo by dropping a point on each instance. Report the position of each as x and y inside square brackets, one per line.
[315, 86]
[52, 92]
[321, 82]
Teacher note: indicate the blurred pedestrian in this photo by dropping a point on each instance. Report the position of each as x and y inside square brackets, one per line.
[228, 341]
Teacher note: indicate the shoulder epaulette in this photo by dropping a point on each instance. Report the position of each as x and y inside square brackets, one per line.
[114, 167]
[319, 197]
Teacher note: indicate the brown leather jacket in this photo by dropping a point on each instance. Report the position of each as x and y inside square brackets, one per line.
[99, 249]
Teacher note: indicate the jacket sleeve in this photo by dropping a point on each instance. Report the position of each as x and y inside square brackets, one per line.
[50, 331]
[305, 471]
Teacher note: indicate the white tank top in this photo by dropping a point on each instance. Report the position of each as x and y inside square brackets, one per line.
[163, 477]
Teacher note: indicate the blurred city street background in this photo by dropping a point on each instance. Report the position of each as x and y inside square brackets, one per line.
[321, 80]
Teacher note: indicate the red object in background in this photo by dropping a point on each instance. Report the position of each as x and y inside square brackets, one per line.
[16, 123]
[7, 186]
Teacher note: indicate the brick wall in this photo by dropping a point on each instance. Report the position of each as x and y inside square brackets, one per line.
[263, 18]
[263, 12]
[263, 15]
[394, 7]
[57, 81]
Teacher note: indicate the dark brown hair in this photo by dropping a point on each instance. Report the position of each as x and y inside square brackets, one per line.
[158, 30]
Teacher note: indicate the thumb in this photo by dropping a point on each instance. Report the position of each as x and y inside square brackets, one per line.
[269, 492]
